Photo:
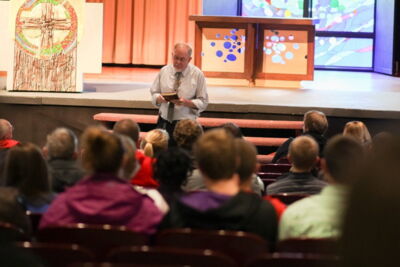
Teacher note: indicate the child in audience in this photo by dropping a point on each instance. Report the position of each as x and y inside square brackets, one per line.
[155, 141]
[26, 169]
[143, 173]
[303, 154]
[359, 131]
[223, 206]
[171, 169]
[247, 155]
[103, 197]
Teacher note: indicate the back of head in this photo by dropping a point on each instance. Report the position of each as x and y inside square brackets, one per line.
[102, 151]
[371, 231]
[315, 121]
[62, 143]
[247, 154]
[129, 159]
[343, 155]
[155, 141]
[233, 129]
[26, 169]
[129, 128]
[172, 167]
[215, 153]
[358, 131]
[5, 129]
[186, 133]
[303, 152]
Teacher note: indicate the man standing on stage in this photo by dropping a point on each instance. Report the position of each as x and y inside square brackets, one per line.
[184, 79]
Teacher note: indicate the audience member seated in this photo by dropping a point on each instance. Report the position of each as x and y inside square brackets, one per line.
[26, 170]
[128, 167]
[103, 197]
[315, 125]
[196, 182]
[61, 150]
[247, 154]
[143, 174]
[6, 135]
[233, 129]
[155, 141]
[11, 211]
[186, 133]
[303, 154]
[224, 206]
[321, 215]
[359, 131]
[171, 170]
[6, 141]
[381, 140]
[371, 230]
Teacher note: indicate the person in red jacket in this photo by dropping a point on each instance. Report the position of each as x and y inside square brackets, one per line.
[143, 175]
[6, 135]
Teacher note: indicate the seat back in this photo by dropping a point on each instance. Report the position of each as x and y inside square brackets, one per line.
[145, 255]
[98, 238]
[275, 167]
[35, 220]
[11, 233]
[289, 198]
[58, 254]
[294, 260]
[308, 245]
[239, 245]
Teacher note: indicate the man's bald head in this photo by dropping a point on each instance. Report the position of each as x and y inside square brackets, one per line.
[6, 129]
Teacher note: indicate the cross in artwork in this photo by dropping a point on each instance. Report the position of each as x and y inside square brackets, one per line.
[47, 24]
[45, 46]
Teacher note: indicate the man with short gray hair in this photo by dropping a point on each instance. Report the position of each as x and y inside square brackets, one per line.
[188, 84]
[61, 150]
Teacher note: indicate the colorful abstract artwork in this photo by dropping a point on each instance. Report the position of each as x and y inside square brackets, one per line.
[344, 15]
[285, 51]
[223, 48]
[273, 8]
[45, 46]
[343, 52]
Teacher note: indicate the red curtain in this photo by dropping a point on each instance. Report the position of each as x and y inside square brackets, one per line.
[145, 31]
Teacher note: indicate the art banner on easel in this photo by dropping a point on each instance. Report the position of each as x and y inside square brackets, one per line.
[46, 43]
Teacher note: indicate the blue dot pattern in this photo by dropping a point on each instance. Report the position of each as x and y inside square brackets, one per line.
[233, 44]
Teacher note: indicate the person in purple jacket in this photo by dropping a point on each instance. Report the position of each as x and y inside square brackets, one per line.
[103, 197]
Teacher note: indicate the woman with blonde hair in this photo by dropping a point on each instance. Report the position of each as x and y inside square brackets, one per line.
[155, 141]
[359, 131]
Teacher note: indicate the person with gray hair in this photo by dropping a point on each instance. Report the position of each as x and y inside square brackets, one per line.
[61, 151]
[6, 134]
[186, 82]
[6, 141]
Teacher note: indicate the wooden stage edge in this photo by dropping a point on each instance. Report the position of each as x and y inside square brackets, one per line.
[338, 94]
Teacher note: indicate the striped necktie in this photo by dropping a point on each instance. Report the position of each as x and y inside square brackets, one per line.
[171, 106]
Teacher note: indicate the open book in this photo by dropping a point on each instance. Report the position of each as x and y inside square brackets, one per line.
[170, 96]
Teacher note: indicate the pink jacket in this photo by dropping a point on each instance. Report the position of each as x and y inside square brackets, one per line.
[103, 198]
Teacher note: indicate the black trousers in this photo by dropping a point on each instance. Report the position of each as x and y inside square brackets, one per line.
[169, 127]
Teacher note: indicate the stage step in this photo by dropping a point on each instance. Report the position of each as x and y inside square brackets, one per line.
[206, 122]
[110, 118]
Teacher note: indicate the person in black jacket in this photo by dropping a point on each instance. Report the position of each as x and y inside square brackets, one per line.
[315, 125]
[61, 150]
[223, 206]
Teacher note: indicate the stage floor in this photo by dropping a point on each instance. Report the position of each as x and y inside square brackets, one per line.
[337, 93]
